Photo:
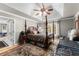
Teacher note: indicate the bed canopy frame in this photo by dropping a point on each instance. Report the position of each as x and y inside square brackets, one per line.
[45, 11]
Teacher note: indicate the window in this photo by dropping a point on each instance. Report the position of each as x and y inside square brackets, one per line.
[3, 29]
[50, 28]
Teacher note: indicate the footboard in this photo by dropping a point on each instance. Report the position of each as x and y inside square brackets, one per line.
[38, 40]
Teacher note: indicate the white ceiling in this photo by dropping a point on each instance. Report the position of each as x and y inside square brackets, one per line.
[26, 9]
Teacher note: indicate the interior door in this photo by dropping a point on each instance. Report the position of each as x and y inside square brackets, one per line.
[11, 30]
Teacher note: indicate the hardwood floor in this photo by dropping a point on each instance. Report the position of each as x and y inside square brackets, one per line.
[6, 50]
[29, 50]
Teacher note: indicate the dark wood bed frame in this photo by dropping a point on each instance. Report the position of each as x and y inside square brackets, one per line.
[36, 39]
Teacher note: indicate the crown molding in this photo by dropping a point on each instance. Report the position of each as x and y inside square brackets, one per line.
[15, 12]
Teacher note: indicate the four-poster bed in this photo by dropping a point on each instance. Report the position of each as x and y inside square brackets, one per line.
[44, 11]
[44, 40]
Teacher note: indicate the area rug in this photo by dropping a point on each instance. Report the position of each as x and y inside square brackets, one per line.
[63, 50]
[28, 50]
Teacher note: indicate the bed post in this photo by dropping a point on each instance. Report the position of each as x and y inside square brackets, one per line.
[25, 27]
[53, 31]
[46, 40]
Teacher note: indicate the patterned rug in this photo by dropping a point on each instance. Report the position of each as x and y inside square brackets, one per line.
[67, 50]
[29, 50]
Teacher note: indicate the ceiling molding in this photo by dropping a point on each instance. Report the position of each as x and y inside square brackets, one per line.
[67, 18]
[16, 12]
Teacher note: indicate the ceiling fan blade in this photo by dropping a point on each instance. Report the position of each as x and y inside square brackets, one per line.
[48, 13]
[50, 9]
[36, 10]
[43, 5]
[37, 14]
[42, 14]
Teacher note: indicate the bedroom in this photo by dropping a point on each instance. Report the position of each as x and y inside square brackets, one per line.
[18, 17]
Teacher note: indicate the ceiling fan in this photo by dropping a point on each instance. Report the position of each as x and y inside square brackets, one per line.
[44, 10]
